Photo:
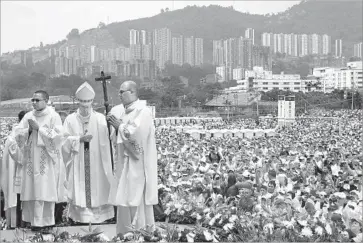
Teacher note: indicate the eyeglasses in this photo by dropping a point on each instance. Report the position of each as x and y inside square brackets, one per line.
[123, 91]
[36, 100]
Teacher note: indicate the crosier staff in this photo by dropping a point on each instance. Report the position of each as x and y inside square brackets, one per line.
[103, 79]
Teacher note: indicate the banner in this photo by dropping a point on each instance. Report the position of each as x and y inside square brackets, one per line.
[289, 109]
[281, 110]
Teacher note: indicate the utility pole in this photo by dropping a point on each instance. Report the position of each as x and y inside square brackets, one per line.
[352, 100]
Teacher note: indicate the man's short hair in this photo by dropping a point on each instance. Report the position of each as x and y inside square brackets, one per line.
[21, 115]
[44, 94]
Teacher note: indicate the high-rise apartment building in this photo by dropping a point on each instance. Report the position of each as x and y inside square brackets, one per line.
[267, 39]
[198, 52]
[294, 45]
[326, 44]
[162, 47]
[177, 49]
[230, 50]
[218, 54]
[250, 34]
[314, 44]
[357, 50]
[338, 47]
[134, 37]
[303, 45]
[189, 50]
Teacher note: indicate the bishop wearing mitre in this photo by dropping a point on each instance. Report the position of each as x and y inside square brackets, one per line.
[86, 152]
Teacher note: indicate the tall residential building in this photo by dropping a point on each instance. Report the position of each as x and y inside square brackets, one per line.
[198, 52]
[261, 57]
[162, 47]
[294, 45]
[189, 50]
[122, 53]
[250, 34]
[247, 53]
[134, 37]
[281, 42]
[218, 55]
[230, 50]
[143, 37]
[287, 44]
[314, 44]
[357, 50]
[326, 44]
[146, 52]
[303, 45]
[177, 50]
[267, 39]
[338, 47]
[135, 51]
[95, 54]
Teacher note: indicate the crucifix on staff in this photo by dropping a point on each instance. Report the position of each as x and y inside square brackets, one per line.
[103, 79]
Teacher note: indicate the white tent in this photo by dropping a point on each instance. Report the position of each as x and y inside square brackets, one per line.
[270, 133]
[227, 133]
[217, 133]
[248, 133]
[238, 133]
[259, 133]
[207, 134]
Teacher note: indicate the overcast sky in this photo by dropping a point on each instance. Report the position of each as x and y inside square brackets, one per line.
[26, 23]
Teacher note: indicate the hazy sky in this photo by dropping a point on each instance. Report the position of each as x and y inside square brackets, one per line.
[26, 23]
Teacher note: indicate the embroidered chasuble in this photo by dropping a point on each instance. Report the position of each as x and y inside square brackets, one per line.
[89, 171]
[43, 174]
[87, 166]
[135, 190]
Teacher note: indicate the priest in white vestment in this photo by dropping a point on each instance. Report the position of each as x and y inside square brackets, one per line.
[135, 190]
[86, 152]
[9, 172]
[40, 136]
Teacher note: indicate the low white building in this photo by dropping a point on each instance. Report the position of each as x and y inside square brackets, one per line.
[261, 80]
[222, 73]
[349, 77]
[238, 73]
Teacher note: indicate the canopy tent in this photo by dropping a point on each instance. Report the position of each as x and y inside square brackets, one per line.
[244, 133]
[181, 120]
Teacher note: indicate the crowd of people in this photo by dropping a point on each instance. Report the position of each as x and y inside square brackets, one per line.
[304, 184]
[307, 178]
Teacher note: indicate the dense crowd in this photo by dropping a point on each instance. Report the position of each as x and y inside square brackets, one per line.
[304, 184]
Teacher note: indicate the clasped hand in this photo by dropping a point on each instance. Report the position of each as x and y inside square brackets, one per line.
[114, 121]
[85, 138]
[33, 125]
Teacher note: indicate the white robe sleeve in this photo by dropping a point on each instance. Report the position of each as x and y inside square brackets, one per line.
[14, 150]
[71, 144]
[131, 134]
[52, 137]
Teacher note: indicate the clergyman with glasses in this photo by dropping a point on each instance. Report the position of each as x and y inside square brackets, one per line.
[135, 190]
[39, 135]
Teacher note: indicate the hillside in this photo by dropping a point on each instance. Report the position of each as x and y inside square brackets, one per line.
[339, 19]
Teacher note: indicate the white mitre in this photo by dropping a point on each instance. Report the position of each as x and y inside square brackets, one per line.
[85, 94]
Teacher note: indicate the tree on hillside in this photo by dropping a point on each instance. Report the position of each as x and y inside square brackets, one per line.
[101, 25]
[149, 95]
[38, 80]
[73, 34]
[173, 90]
